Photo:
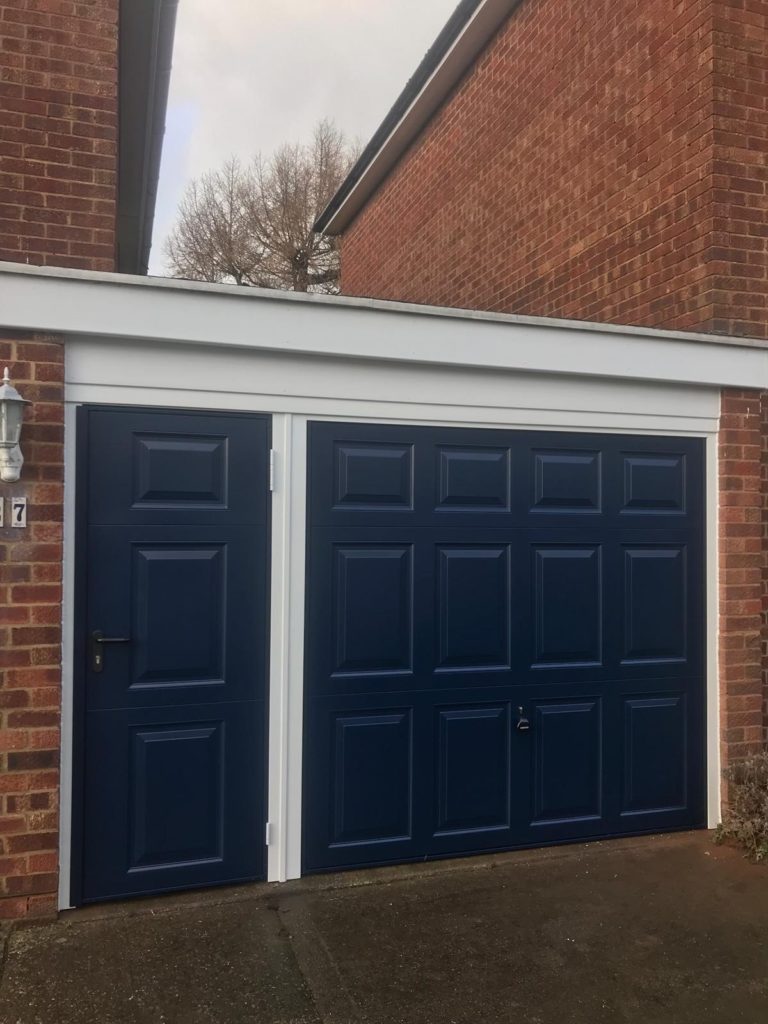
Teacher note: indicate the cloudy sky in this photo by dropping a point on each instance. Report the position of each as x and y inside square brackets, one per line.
[251, 74]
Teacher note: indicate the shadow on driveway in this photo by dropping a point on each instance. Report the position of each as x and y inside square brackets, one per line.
[665, 930]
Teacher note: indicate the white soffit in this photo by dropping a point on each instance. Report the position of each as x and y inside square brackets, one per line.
[116, 309]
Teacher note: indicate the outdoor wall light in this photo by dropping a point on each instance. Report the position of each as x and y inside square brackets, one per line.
[11, 415]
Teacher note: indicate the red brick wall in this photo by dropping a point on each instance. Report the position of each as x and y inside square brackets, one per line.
[740, 253]
[602, 161]
[30, 638]
[741, 573]
[570, 174]
[58, 132]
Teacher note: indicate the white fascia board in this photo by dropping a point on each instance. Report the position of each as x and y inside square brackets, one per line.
[475, 36]
[117, 309]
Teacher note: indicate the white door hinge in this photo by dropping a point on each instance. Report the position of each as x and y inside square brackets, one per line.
[272, 455]
[268, 834]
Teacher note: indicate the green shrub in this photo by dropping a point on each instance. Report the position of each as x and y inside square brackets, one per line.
[746, 819]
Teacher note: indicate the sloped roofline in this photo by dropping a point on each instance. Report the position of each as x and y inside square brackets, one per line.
[146, 36]
[466, 34]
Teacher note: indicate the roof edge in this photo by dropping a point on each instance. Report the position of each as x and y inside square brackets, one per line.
[466, 34]
[147, 29]
[173, 285]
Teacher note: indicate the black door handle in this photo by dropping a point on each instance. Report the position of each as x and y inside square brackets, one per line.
[97, 648]
[523, 723]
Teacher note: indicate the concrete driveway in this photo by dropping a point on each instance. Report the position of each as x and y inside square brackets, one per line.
[669, 929]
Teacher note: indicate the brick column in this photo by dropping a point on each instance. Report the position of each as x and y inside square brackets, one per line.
[30, 639]
[741, 575]
[58, 132]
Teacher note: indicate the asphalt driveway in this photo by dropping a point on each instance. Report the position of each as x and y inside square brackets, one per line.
[669, 929]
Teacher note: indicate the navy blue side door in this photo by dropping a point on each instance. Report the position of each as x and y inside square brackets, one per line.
[173, 630]
[505, 640]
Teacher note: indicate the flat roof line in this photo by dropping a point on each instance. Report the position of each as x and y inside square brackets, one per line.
[336, 302]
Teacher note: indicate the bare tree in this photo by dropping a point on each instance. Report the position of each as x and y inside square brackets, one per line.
[253, 225]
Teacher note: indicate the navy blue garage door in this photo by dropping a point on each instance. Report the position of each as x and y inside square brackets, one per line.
[504, 642]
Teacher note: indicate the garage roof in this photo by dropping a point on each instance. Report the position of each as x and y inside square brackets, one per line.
[466, 34]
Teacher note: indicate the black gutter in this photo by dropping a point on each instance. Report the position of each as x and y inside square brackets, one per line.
[146, 49]
[450, 33]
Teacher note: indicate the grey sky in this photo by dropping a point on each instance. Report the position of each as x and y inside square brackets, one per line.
[251, 74]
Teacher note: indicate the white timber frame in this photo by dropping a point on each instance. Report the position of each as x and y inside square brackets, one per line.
[175, 345]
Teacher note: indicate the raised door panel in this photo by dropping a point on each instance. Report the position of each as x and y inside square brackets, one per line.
[179, 615]
[157, 468]
[473, 608]
[191, 601]
[472, 479]
[568, 762]
[655, 603]
[170, 794]
[473, 769]
[372, 773]
[567, 481]
[179, 472]
[176, 780]
[568, 601]
[371, 476]
[372, 609]
[655, 483]
[655, 754]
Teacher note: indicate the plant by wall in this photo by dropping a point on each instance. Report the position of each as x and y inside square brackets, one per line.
[746, 820]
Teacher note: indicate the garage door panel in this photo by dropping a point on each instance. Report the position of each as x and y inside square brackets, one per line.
[373, 609]
[182, 614]
[182, 469]
[568, 762]
[656, 754]
[372, 770]
[472, 478]
[568, 588]
[567, 481]
[371, 475]
[655, 483]
[182, 814]
[473, 771]
[178, 611]
[475, 611]
[656, 603]
[364, 782]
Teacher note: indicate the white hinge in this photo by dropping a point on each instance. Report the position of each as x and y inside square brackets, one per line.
[268, 834]
[272, 455]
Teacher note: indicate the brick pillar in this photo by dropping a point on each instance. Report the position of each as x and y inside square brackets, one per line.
[58, 132]
[30, 638]
[739, 255]
[741, 575]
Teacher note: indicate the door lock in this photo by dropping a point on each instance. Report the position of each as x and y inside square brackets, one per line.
[97, 648]
[523, 724]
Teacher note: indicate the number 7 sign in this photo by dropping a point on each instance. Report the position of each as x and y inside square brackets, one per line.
[19, 512]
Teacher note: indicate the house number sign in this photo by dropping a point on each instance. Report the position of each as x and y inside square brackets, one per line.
[19, 512]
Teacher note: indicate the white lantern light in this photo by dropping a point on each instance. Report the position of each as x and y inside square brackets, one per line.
[11, 415]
